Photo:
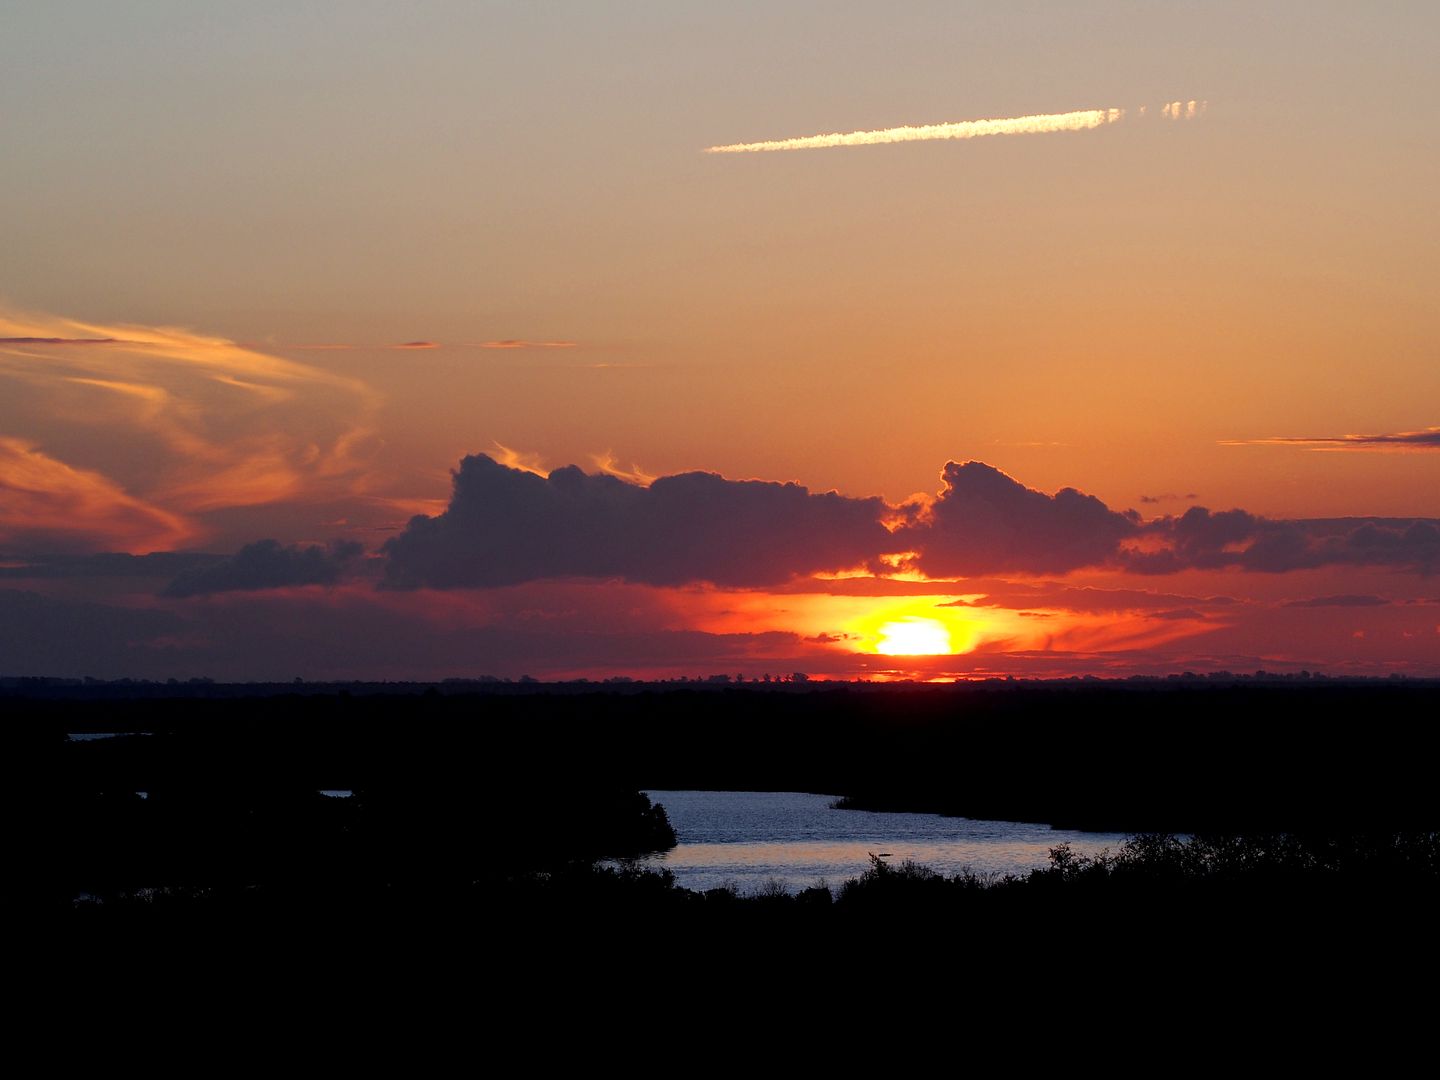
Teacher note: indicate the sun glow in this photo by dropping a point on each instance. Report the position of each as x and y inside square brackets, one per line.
[914, 626]
[914, 636]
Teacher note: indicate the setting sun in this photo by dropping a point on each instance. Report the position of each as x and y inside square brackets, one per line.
[714, 414]
[914, 636]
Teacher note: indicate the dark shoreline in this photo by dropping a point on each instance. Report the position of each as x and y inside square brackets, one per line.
[1133, 756]
[1310, 802]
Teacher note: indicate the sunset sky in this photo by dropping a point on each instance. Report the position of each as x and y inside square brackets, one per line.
[369, 340]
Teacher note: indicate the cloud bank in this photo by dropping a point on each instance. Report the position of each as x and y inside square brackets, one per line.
[1238, 540]
[267, 564]
[505, 525]
[109, 565]
[510, 522]
[985, 522]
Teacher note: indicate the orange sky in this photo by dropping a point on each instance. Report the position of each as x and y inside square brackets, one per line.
[272, 277]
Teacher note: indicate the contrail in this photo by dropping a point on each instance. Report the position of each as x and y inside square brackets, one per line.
[1082, 120]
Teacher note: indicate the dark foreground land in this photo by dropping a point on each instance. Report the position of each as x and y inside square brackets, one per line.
[1177, 756]
[479, 814]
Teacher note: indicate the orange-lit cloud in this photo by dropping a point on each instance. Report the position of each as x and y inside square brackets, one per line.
[173, 421]
[523, 460]
[48, 505]
[1182, 110]
[872, 633]
[608, 465]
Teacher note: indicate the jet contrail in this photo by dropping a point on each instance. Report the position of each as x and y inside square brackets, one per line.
[1082, 120]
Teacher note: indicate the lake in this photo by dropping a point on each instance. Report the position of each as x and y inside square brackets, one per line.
[750, 838]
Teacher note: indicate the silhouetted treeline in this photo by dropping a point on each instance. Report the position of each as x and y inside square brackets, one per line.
[1180, 757]
[455, 789]
[402, 838]
[1165, 892]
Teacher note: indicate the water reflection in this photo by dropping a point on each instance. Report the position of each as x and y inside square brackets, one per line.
[750, 838]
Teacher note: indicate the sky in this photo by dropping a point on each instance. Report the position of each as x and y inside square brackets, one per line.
[364, 340]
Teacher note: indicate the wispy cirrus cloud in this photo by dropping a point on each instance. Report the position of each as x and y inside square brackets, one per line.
[1340, 601]
[350, 346]
[1038, 124]
[423, 343]
[124, 436]
[1397, 441]
[47, 505]
[1052, 595]
[59, 341]
[518, 343]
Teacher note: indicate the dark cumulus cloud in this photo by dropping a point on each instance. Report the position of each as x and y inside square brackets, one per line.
[985, 522]
[267, 564]
[1236, 539]
[504, 526]
[111, 564]
[1153, 499]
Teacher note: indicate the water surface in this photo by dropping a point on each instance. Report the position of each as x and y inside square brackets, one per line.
[750, 838]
